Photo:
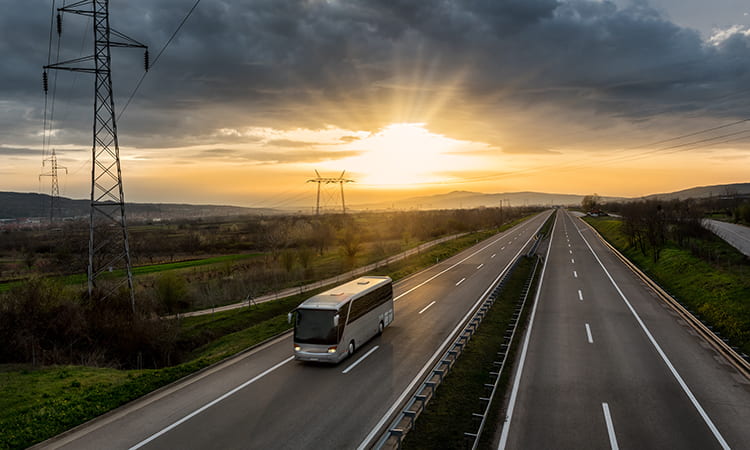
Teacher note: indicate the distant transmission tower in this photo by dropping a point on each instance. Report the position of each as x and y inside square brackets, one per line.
[108, 235]
[54, 202]
[324, 180]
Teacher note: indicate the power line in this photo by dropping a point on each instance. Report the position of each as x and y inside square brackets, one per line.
[137, 86]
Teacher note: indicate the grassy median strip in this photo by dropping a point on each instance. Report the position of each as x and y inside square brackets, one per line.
[716, 290]
[38, 403]
[449, 414]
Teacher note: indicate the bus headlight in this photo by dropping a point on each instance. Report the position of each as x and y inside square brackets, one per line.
[331, 349]
[297, 348]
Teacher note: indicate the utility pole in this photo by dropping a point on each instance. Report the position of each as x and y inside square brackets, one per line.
[108, 235]
[55, 194]
[327, 180]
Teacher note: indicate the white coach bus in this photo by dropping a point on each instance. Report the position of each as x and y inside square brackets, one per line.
[332, 324]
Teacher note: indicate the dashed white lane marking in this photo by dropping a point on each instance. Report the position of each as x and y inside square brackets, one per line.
[480, 266]
[493, 255]
[588, 334]
[572, 261]
[575, 274]
[460, 281]
[426, 307]
[361, 359]
[610, 427]
[580, 295]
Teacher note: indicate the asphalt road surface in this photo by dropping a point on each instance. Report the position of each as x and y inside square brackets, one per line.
[605, 364]
[264, 399]
[737, 236]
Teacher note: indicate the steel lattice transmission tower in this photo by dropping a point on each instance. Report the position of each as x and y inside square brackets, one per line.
[326, 180]
[108, 235]
[55, 194]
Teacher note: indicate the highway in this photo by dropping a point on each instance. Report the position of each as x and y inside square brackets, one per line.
[264, 399]
[606, 364]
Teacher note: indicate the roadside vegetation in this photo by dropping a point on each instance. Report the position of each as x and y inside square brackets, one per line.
[218, 262]
[707, 275]
[68, 359]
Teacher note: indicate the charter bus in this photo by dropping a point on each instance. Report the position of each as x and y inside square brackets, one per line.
[331, 325]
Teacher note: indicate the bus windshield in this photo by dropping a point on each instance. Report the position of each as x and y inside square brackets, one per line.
[315, 326]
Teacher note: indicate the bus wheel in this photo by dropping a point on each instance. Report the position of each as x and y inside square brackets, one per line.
[380, 328]
[351, 348]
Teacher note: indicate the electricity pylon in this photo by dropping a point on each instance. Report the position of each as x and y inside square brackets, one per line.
[108, 234]
[55, 194]
[327, 180]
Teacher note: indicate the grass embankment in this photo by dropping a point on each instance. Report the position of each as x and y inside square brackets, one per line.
[38, 403]
[449, 414]
[715, 287]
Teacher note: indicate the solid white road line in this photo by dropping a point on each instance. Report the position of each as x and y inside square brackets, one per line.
[210, 404]
[524, 350]
[663, 355]
[362, 358]
[610, 427]
[575, 274]
[460, 281]
[426, 307]
[580, 295]
[588, 334]
[480, 266]
[431, 361]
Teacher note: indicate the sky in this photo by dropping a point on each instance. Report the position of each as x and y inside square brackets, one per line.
[408, 97]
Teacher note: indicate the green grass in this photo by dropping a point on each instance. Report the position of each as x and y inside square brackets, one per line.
[715, 287]
[80, 278]
[38, 403]
[449, 413]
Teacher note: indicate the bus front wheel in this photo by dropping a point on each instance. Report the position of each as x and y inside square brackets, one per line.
[351, 348]
[380, 328]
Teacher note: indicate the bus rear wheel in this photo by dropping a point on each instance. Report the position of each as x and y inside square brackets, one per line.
[351, 348]
[380, 328]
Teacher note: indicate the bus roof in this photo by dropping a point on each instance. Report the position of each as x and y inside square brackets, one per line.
[335, 297]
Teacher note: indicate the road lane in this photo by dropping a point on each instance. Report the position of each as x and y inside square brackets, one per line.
[300, 405]
[569, 375]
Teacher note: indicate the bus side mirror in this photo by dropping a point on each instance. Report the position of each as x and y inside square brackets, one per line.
[289, 317]
[336, 320]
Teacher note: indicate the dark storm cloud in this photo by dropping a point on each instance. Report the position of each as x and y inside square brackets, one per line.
[290, 143]
[287, 63]
[11, 151]
[264, 157]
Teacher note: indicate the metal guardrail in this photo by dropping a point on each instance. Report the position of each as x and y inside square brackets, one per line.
[510, 333]
[740, 361]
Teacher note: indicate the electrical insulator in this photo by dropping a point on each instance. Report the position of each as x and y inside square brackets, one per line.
[59, 24]
[145, 60]
[45, 82]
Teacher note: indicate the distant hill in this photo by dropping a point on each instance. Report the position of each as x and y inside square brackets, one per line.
[719, 190]
[466, 199]
[14, 205]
